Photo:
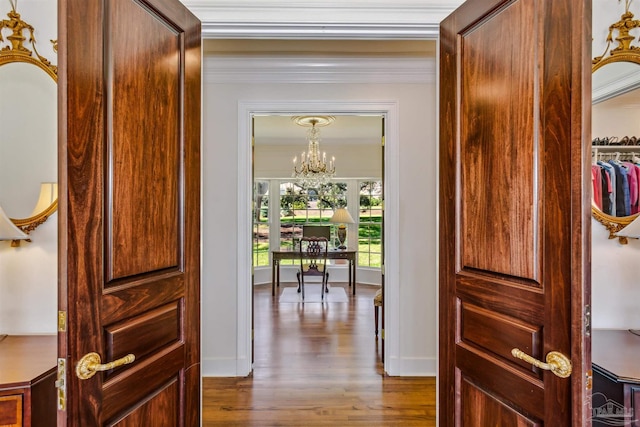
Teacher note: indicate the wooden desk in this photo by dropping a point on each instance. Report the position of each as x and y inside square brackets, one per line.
[615, 358]
[27, 375]
[276, 256]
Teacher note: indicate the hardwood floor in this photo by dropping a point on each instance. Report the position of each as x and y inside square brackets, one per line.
[318, 365]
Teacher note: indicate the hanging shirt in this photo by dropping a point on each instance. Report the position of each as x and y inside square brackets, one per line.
[633, 186]
[623, 201]
[596, 184]
[609, 189]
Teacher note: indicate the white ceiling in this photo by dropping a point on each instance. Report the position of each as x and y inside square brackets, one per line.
[282, 130]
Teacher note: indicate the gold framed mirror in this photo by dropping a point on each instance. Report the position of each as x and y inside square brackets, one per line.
[28, 123]
[616, 74]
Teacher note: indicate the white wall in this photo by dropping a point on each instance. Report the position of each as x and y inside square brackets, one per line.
[615, 278]
[614, 121]
[417, 198]
[28, 274]
[615, 289]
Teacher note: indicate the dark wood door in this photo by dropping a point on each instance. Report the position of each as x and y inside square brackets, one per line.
[383, 242]
[514, 211]
[129, 240]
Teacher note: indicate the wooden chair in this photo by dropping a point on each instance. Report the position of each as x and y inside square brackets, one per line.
[377, 305]
[313, 261]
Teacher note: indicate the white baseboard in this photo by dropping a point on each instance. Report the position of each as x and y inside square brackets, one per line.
[413, 367]
[406, 367]
[222, 367]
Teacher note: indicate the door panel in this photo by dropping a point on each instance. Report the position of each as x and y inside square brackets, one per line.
[514, 208]
[130, 223]
[490, 409]
[165, 401]
[499, 215]
[144, 202]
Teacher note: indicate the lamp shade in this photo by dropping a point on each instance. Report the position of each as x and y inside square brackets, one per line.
[8, 230]
[48, 195]
[631, 230]
[342, 216]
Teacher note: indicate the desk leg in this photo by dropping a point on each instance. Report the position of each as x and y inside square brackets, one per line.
[353, 267]
[273, 278]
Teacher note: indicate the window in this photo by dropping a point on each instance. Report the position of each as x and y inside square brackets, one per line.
[261, 224]
[300, 206]
[370, 224]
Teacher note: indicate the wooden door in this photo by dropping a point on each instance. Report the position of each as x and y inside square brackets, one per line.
[514, 212]
[129, 240]
[383, 242]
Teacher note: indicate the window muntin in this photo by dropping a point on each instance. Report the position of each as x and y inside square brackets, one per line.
[370, 224]
[300, 206]
[261, 225]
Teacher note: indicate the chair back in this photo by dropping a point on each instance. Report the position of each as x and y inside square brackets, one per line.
[313, 255]
[316, 231]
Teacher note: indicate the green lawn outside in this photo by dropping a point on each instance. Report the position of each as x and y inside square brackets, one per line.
[369, 254]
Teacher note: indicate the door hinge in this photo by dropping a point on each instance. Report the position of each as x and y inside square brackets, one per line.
[382, 333]
[587, 320]
[589, 379]
[62, 321]
[61, 385]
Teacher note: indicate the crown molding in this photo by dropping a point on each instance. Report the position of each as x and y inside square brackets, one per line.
[618, 82]
[231, 70]
[358, 19]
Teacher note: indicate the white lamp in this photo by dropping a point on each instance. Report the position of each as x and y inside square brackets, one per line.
[342, 217]
[9, 231]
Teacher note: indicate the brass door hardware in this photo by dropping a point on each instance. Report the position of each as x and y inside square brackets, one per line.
[90, 364]
[61, 384]
[557, 362]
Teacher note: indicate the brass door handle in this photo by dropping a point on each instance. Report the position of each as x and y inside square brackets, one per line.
[557, 362]
[90, 364]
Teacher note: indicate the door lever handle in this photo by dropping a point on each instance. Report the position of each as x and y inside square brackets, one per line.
[90, 364]
[557, 362]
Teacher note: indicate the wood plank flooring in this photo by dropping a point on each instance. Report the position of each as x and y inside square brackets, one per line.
[318, 365]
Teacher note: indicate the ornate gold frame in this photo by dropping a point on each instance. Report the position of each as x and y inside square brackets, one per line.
[613, 223]
[623, 52]
[15, 51]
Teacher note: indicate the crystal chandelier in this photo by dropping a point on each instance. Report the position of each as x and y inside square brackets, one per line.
[313, 170]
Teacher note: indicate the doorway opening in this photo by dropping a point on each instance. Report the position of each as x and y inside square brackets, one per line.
[248, 111]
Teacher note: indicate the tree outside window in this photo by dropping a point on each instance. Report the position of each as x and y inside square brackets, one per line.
[302, 205]
[299, 206]
[261, 224]
[370, 224]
